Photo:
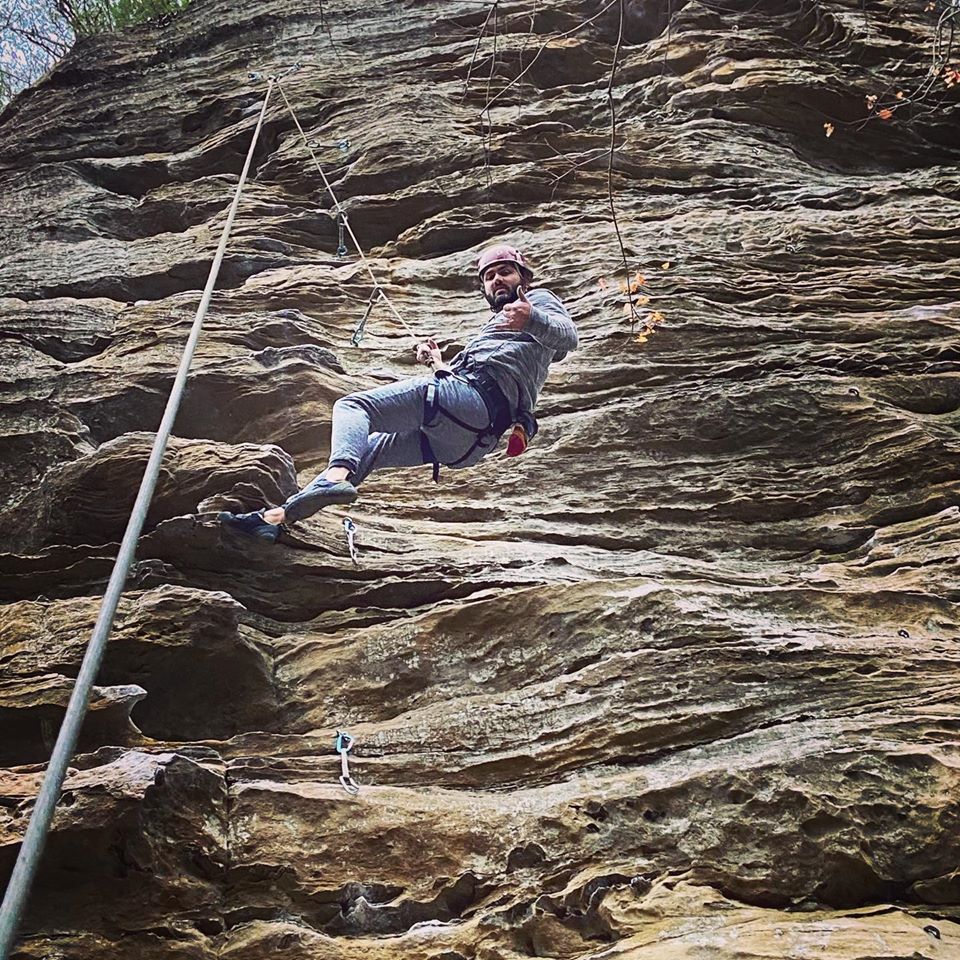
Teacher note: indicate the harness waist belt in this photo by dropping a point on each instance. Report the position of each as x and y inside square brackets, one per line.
[498, 406]
[499, 414]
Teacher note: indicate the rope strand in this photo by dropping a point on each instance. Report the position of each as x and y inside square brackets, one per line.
[31, 849]
[346, 221]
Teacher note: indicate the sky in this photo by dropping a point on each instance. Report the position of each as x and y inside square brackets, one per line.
[23, 60]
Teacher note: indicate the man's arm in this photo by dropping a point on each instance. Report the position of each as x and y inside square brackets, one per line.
[550, 324]
[546, 320]
[428, 353]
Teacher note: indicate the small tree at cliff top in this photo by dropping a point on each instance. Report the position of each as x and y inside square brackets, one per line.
[87, 17]
[35, 34]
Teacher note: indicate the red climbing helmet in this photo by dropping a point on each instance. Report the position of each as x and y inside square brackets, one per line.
[501, 253]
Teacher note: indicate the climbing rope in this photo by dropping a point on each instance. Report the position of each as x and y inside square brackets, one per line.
[344, 222]
[343, 744]
[31, 849]
[28, 860]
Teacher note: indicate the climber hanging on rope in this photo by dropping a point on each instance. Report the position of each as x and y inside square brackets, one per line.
[454, 417]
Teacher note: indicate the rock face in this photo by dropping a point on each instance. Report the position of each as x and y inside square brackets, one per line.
[681, 682]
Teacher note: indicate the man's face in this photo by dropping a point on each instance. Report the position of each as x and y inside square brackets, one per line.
[501, 284]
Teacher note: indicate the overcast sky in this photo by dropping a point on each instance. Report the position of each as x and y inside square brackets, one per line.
[21, 60]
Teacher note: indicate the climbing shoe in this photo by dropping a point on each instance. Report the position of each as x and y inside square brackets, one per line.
[250, 525]
[316, 495]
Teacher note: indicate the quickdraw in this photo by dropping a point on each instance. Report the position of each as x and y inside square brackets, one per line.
[351, 530]
[343, 744]
[362, 325]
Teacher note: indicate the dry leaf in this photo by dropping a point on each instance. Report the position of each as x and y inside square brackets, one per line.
[930, 6]
[641, 301]
[885, 113]
[641, 338]
[602, 283]
[665, 265]
[656, 317]
[627, 310]
[899, 94]
[871, 101]
[828, 127]
[636, 282]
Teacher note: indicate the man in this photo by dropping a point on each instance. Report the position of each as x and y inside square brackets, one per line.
[453, 417]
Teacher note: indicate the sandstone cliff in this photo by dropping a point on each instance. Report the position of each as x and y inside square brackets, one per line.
[681, 682]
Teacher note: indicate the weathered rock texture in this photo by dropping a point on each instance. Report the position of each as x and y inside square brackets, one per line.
[681, 682]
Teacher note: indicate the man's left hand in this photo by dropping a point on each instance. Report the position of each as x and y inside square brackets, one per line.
[428, 353]
[516, 314]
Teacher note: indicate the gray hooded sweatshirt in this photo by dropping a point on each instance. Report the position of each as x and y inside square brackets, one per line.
[519, 360]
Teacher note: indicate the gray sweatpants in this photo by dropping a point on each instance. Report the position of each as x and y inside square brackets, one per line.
[381, 428]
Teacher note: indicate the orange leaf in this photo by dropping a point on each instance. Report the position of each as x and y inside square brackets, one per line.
[641, 338]
[641, 301]
[885, 113]
[656, 317]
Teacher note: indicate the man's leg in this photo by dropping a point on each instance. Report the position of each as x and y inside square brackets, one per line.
[376, 429]
[394, 409]
[371, 429]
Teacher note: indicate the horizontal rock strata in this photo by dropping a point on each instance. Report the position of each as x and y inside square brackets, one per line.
[681, 681]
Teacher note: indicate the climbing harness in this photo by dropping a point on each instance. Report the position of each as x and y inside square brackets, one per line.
[343, 744]
[500, 415]
[28, 859]
[351, 530]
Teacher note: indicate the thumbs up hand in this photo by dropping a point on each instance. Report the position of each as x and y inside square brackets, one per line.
[517, 313]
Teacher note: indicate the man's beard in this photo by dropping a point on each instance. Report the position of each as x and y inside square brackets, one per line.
[502, 297]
